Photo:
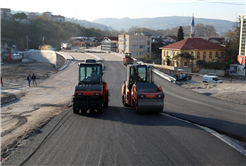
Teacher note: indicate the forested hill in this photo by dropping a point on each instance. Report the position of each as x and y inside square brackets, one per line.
[164, 23]
[54, 32]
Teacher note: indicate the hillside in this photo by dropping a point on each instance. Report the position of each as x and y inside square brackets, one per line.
[83, 23]
[163, 23]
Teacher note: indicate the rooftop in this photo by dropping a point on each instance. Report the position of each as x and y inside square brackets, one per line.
[194, 44]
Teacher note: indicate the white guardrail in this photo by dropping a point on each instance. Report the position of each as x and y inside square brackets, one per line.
[161, 74]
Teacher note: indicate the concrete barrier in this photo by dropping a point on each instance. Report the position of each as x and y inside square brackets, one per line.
[46, 56]
[185, 69]
[207, 71]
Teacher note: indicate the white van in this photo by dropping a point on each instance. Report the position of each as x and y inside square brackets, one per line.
[213, 79]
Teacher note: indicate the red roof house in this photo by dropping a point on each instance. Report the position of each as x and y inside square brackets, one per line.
[198, 47]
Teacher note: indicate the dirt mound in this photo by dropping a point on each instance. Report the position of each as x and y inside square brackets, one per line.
[233, 92]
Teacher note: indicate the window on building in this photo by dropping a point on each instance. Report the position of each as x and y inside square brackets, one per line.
[148, 42]
[222, 54]
[121, 39]
[167, 53]
[198, 55]
[141, 53]
[185, 64]
[134, 53]
[164, 53]
[163, 62]
[210, 55]
[204, 55]
[216, 54]
[134, 46]
[121, 46]
[142, 46]
[148, 50]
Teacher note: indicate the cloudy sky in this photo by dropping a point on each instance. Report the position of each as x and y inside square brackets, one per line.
[93, 9]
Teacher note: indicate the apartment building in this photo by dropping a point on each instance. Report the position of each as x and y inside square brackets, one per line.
[138, 44]
[110, 44]
[5, 13]
[242, 56]
[32, 15]
[49, 16]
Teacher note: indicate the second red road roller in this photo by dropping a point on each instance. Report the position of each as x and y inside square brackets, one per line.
[140, 92]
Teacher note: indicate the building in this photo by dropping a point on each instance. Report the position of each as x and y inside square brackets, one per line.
[32, 16]
[217, 40]
[99, 38]
[171, 39]
[110, 44]
[57, 18]
[5, 13]
[138, 44]
[242, 56]
[49, 16]
[198, 47]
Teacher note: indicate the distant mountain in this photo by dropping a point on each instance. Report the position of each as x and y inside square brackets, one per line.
[163, 23]
[88, 24]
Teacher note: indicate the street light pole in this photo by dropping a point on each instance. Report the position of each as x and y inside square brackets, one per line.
[27, 41]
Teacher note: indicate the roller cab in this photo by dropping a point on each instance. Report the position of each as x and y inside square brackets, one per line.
[128, 59]
[91, 92]
[140, 92]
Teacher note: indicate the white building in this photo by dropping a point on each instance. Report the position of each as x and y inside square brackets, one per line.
[138, 44]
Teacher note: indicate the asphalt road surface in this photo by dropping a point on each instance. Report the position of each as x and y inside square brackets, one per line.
[121, 137]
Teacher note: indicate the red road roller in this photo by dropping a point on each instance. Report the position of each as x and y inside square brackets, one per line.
[92, 92]
[140, 92]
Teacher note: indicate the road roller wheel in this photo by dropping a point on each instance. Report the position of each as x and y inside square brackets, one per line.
[83, 111]
[99, 111]
[123, 101]
[75, 110]
[106, 100]
[92, 111]
[133, 105]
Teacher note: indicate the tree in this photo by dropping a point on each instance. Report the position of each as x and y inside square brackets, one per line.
[168, 59]
[132, 30]
[20, 16]
[184, 55]
[180, 35]
[233, 45]
[201, 63]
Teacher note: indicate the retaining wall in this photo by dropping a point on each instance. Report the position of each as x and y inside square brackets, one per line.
[46, 56]
[218, 72]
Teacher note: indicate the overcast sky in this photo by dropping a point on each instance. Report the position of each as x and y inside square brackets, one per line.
[92, 9]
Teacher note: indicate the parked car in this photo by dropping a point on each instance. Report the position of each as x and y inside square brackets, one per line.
[213, 79]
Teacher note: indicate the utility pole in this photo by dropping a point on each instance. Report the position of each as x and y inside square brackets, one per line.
[27, 41]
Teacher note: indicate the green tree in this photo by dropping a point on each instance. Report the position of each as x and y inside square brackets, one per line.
[233, 44]
[201, 63]
[168, 59]
[184, 55]
[20, 16]
[180, 35]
